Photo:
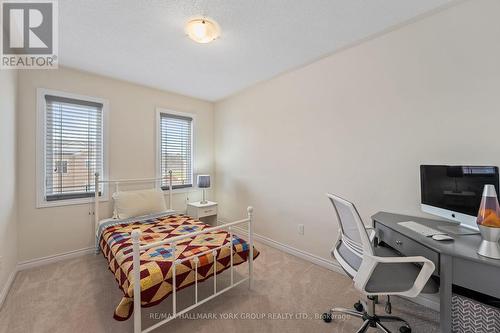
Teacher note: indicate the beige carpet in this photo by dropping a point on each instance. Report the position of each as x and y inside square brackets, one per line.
[79, 295]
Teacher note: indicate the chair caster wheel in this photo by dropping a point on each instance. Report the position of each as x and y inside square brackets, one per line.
[404, 329]
[327, 317]
[358, 306]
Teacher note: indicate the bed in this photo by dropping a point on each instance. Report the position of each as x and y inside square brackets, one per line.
[173, 252]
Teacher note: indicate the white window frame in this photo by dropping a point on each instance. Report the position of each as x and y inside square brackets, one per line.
[159, 112]
[41, 201]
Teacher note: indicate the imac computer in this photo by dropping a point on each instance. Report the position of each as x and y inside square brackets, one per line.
[455, 192]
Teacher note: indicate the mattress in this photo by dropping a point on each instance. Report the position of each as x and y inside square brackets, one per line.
[103, 224]
[156, 263]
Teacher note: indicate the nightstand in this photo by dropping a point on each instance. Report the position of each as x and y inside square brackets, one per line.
[205, 212]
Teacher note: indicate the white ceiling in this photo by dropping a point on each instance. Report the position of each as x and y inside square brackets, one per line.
[143, 41]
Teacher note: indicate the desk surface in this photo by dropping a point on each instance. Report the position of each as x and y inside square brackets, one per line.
[459, 263]
[463, 246]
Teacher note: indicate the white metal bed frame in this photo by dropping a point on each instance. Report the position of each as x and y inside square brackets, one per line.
[137, 248]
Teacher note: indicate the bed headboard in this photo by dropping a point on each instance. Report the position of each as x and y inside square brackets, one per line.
[118, 182]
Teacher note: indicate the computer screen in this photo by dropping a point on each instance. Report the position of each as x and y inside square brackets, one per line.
[456, 188]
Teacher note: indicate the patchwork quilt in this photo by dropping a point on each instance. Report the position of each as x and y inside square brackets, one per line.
[156, 263]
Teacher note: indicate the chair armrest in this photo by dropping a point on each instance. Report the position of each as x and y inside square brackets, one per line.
[370, 262]
[371, 232]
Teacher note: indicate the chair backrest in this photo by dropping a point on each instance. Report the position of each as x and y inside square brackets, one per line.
[353, 240]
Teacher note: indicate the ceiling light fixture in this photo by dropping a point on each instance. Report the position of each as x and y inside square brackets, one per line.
[202, 30]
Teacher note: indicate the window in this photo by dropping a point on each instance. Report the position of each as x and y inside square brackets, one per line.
[175, 149]
[72, 147]
[62, 166]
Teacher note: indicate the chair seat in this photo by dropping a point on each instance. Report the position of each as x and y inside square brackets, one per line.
[396, 277]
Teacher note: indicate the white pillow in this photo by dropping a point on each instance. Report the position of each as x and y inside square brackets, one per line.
[138, 203]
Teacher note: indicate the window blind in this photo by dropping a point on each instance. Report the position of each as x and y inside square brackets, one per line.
[176, 150]
[73, 147]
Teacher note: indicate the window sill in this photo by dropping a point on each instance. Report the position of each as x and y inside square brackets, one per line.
[69, 202]
[86, 201]
[182, 190]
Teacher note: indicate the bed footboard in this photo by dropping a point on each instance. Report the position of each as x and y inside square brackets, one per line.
[136, 271]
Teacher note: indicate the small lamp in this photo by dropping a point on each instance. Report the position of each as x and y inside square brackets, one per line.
[204, 183]
[488, 221]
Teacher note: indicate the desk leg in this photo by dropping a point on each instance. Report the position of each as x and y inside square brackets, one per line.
[446, 271]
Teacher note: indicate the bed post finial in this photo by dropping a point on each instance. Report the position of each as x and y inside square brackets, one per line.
[136, 234]
[250, 251]
[136, 273]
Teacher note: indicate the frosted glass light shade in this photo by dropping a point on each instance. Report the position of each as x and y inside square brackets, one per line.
[202, 30]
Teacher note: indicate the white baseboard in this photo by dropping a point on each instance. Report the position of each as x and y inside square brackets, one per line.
[40, 262]
[6, 287]
[53, 258]
[429, 301]
[328, 264]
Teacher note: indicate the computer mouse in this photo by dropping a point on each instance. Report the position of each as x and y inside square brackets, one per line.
[442, 237]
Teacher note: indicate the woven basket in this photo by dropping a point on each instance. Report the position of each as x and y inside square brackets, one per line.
[470, 316]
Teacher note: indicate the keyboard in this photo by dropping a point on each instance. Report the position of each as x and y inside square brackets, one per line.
[421, 229]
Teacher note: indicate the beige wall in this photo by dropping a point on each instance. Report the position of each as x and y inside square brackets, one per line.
[8, 210]
[359, 123]
[132, 149]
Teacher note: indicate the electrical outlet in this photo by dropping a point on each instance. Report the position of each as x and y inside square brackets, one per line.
[301, 229]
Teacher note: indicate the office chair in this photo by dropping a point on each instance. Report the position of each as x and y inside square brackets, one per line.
[376, 270]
